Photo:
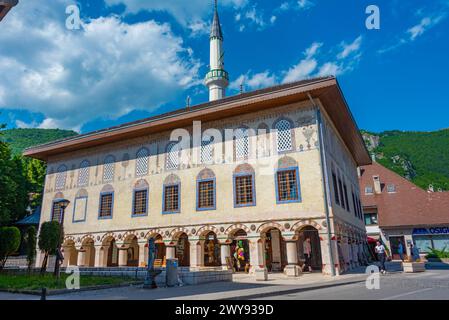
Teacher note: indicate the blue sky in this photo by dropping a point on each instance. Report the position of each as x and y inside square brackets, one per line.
[135, 58]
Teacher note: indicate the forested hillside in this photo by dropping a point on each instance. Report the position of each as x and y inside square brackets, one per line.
[19, 139]
[422, 157]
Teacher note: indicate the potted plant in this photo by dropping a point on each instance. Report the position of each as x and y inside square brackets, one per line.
[436, 255]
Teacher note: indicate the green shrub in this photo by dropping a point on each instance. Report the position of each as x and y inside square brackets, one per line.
[30, 240]
[438, 254]
[9, 243]
[49, 238]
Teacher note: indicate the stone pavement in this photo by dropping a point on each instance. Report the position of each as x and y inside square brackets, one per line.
[243, 287]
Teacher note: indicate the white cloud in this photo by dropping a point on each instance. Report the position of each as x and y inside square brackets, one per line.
[418, 30]
[306, 66]
[330, 69]
[105, 70]
[348, 49]
[300, 71]
[183, 11]
[305, 4]
[253, 82]
[273, 19]
[255, 17]
[424, 25]
[300, 5]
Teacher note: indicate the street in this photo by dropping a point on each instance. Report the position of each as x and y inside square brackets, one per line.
[432, 284]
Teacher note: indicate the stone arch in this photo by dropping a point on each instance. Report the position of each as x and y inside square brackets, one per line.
[154, 233]
[141, 184]
[235, 227]
[175, 233]
[204, 230]
[172, 179]
[107, 188]
[303, 223]
[244, 168]
[82, 193]
[286, 162]
[270, 225]
[88, 248]
[58, 195]
[129, 235]
[108, 237]
[205, 174]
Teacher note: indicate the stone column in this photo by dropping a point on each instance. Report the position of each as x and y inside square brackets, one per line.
[170, 251]
[326, 255]
[67, 250]
[256, 254]
[292, 269]
[122, 257]
[276, 250]
[143, 254]
[196, 256]
[101, 256]
[225, 251]
[81, 258]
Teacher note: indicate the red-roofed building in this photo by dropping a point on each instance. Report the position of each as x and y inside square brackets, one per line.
[398, 211]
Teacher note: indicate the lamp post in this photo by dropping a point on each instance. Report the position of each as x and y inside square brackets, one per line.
[63, 204]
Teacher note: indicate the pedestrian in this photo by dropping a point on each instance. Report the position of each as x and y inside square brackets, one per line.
[307, 249]
[414, 252]
[401, 251]
[381, 255]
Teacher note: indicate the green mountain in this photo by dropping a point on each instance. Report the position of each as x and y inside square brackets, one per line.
[421, 157]
[20, 139]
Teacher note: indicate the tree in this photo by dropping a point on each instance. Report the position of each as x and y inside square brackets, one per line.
[49, 238]
[30, 240]
[9, 243]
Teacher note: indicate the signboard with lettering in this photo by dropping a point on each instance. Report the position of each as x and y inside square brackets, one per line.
[432, 230]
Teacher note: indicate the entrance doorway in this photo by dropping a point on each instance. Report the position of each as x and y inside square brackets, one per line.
[275, 253]
[311, 233]
[211, 250]
[240, 251]
[394, 243]
[183, 250]
[112, 254]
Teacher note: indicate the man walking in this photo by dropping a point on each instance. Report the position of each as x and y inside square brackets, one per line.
[381, 255]
[307, 249]
[401, 251]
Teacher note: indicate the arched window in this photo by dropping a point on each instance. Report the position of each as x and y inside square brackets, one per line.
[205, 186]
[206, 149]
[83, 173]
[241, 143]
[244, 186]
[80, 206]
[140, 199]
[106, 202]
[171, 198]
[108, 168]
[61, 177]
[172, 156]
[142, 162]
[284, 135]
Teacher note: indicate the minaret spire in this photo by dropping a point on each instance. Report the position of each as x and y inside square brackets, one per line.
[217, 78]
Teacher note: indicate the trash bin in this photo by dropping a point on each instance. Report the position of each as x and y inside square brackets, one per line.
[171, 272]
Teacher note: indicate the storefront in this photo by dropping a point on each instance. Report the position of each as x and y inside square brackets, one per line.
[431, 238]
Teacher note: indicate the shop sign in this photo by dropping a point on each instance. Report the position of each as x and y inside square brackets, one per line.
[432, 230]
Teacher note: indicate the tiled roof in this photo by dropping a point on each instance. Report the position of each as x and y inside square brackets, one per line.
[409, 205]
[31, 219]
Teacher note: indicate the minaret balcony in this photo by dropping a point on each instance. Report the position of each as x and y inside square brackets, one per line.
[216, 74]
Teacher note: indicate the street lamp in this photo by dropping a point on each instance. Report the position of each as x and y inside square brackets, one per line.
[63, 204]
[5, 6]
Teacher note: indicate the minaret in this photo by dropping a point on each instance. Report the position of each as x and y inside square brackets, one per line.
[217, 78]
